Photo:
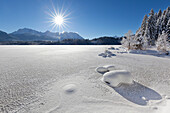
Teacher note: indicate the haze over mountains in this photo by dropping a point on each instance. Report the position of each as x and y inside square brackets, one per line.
[26, 34]
[32, 37]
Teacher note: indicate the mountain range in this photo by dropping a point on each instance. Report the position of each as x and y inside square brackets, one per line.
[26, 34]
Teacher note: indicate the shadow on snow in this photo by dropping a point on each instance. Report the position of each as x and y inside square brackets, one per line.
[137, 93]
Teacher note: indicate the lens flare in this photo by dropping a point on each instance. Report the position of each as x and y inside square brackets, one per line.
[58, 18]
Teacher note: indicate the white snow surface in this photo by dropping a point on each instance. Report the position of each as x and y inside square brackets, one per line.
[109, 67]
[117, 77]
[101, 69]
[62, 79]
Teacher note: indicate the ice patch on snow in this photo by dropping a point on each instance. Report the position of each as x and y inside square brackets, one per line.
[117, 77]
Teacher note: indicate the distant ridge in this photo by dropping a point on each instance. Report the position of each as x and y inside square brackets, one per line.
[27, 34]
[5, 37]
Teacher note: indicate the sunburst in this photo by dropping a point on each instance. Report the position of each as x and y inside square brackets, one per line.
[58, 18]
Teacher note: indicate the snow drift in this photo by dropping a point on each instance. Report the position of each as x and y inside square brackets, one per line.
[117, 77]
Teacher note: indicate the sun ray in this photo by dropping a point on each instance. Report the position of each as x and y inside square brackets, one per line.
[58, 18]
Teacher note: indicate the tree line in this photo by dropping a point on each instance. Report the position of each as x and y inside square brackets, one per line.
[154, 31]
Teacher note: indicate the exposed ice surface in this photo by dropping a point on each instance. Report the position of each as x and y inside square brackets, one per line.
[117, 77]
[62, 79]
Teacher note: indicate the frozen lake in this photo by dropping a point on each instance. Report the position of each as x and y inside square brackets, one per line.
[62, 79]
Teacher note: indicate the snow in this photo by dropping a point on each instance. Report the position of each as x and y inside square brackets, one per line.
[70, 88]
[104, 69]
[62, 79]
[109, 67]
[101, 69]
[117, 77]
[106, 54]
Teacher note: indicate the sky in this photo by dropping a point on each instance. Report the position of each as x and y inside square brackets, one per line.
[89, 18]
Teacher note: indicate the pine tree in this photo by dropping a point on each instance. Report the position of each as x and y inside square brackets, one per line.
[159, 24]
[151, 28]
[156, 16]
[168, 29]
[140, 34]
[145, 43]
[159, 13]
[151, 12]
[143, 26]
[162, 43]
[150, 32]
[165, 18]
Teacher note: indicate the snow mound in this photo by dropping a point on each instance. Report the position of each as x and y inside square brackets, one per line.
[111, 48]
[102, 69]
[70, 88]
[109, 67]
[117, 77]
[105, 69]
[107, 53]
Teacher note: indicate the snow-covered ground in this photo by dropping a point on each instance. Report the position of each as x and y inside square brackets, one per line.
[63, 79]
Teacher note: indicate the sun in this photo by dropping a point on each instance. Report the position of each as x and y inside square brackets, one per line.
[58, 19]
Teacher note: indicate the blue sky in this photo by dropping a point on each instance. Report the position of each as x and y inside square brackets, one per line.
[90, 18]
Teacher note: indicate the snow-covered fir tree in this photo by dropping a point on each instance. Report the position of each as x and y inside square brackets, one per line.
[139, 36]
[165, 18]
[151, 28]
[150, 32]
[159, 23]
[158, 26]
[168, 29]
[159, 13]
[162, 43]
[141, 30]
[145, 43]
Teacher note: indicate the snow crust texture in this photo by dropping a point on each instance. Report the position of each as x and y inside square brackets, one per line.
[106, 54]
[62, 79]
[113, 77]
[117, 77]
[70, 88]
